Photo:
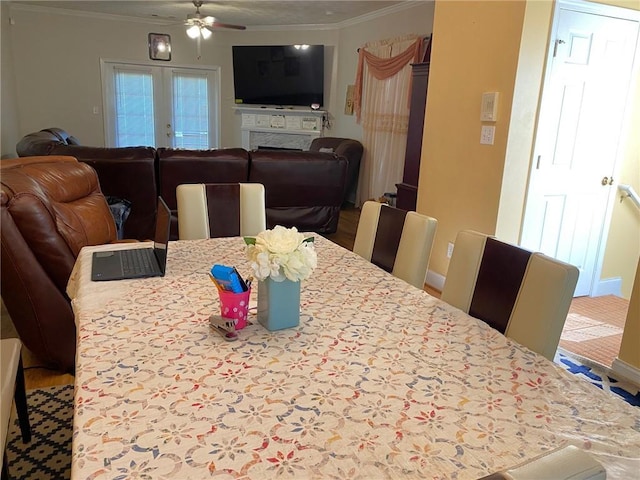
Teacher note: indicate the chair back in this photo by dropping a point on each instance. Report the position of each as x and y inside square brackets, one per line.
[395, 240]
[524, 295]
[209, 210]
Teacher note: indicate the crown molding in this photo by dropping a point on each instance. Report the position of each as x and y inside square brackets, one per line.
[383, 12]
[163, 21]
[95, 15]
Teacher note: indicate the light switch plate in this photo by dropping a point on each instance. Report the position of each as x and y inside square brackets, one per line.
[489, 108]
[487, 134]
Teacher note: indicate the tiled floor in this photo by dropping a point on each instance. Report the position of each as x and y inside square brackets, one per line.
[594, 327]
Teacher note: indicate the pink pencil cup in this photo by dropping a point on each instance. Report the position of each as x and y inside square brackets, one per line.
[235, 306]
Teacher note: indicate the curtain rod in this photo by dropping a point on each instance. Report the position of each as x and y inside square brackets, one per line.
[424, 37]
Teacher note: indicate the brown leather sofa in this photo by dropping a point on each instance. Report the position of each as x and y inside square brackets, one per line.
[351, 150]
[303, 189]
[175, 167]
[51, 207]
[128, 172]
[300, 188]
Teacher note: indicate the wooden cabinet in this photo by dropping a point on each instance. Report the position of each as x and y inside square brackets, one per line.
[408, 189]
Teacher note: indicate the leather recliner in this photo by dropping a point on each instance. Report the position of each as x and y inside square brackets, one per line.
[51, 207]
[127, 173]
[349, 149]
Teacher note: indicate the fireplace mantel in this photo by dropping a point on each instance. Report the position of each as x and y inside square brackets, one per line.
[280, 127]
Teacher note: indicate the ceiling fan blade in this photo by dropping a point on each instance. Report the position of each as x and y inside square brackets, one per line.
[217, 24]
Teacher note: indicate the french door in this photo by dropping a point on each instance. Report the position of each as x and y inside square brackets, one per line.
[160, 106]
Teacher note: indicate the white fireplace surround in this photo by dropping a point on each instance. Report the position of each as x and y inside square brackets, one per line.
[280, 127]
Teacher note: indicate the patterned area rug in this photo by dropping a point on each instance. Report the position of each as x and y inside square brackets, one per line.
[598, 375]
[48, 455]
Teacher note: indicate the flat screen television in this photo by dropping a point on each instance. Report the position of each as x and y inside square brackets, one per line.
[280, 75]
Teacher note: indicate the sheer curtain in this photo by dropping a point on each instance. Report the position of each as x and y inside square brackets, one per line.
[381, 103]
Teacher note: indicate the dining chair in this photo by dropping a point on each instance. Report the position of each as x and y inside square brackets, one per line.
[524, 295]
[208, 210]
[13, 389]
[396, 240]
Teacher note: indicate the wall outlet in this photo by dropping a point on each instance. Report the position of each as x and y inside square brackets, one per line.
[486, 135]
[449, 250]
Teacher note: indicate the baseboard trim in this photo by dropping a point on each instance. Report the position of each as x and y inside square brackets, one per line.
[435, 280]
[625, 370]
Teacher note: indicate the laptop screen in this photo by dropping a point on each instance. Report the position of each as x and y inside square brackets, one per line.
[161, 238]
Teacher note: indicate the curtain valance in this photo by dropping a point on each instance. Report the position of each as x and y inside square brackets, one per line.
[382, 68]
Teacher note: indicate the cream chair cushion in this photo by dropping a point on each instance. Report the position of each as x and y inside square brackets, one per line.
[463, 269]
[10, 353]
[396, 240]
[543, 303]
[525, 295]
[195, 218]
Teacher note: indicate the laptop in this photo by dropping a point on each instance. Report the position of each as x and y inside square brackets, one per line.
[136, 262]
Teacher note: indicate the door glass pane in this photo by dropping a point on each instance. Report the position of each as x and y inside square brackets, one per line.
[134, 122]
[190, 111]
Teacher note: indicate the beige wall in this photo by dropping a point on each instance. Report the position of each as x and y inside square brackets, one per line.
[475, 50]
[59, 81]
[529, 79]
[418, 20]
[502, 46]
[8, 106]
[630, 346]
[623, 243]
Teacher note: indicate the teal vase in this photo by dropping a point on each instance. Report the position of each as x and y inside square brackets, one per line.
[278, 304]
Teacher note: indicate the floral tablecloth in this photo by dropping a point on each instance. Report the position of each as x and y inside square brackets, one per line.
[380, 380]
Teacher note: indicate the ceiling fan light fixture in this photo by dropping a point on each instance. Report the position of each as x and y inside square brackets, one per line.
[193, 31]
[205, 32]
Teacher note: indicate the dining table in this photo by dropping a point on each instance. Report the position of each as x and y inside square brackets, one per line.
[378, 380]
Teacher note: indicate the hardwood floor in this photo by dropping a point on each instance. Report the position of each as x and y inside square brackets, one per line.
[600, 344]
[347, 226]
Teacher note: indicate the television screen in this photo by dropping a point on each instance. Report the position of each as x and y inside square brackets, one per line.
[279, 74]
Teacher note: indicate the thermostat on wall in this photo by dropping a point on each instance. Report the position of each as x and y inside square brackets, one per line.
[489, 109]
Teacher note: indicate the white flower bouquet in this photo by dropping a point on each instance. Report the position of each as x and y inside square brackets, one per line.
[281, 253]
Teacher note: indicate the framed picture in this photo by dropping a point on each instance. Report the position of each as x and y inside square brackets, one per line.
[159, 46]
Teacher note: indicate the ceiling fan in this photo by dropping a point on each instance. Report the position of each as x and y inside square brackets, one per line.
[201, 26]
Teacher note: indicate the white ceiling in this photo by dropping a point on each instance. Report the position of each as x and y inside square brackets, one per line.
[252, 13]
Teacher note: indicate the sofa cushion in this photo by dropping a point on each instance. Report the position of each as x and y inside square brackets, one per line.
[302, 189]
[177, 167]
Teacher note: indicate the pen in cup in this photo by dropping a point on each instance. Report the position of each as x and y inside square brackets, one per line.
[215, 282]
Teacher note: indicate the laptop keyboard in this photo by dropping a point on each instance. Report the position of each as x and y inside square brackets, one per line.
[137, 261]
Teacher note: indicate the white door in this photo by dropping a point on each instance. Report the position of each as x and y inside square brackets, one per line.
[160, 106]
[581, 118]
